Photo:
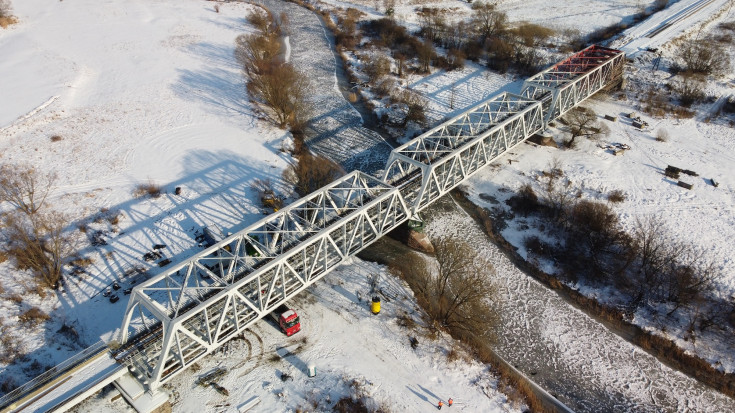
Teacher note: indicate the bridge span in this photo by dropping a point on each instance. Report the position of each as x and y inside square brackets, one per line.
[178, 317]
[187, 312]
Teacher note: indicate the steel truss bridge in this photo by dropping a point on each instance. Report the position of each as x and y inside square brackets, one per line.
[180, 316]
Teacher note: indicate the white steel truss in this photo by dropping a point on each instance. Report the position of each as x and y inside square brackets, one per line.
[191, 309]
[179, 316]
[567, 83]
[450, 153]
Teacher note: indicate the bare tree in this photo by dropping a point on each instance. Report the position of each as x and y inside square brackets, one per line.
[704, 56]
[250, 50]
[279, 87]
[284, 90]
[39, 243]
[488, 21]
[6, 10]
[667, 270]
[24, 187]
[584, 122]
[456, 294]
[425, 54]
[556, 193]
[311, 172]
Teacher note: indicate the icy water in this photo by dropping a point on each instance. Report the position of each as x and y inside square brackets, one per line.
[572, 356]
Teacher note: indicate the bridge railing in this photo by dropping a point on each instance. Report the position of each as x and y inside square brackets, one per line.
[52, 373]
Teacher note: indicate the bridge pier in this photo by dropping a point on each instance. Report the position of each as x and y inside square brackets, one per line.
[151, 401]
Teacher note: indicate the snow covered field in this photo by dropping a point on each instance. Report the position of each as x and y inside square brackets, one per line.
[139, 92]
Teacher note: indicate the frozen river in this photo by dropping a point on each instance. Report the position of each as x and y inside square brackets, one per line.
[572, 356]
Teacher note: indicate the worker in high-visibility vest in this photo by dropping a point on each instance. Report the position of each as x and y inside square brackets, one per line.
[450, 401]
[440, 404]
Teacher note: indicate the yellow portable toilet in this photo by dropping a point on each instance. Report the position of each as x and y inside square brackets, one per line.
[375, 306]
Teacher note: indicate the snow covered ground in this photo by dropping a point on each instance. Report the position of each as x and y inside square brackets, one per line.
[139, 92]
[354, 352]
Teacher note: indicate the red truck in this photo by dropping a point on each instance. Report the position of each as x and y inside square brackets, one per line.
[287, 319]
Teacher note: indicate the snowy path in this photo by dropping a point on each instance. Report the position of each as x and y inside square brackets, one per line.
[575, 358]
[336, 126]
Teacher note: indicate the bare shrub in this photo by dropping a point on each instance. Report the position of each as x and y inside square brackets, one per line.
[533, 35]
[500, 54]
[583, 122]
[703, 56]
[250, 50]
[616, 196]
[404, 319]
[385, 87]
[260, 19]
[24, 187]
[82, 261]
[691, 88]
[310, 173]
[5, 8]
[56, 138]
[6, 14]
[216, 8]
[11, 348]
[660, 4]
[416, 107]
[536, 246]
[377, 68]
[662, 135]
[456, 58]
[38, 243]
[147, 189]
[33, 316]
[595, 244]
[16, 298]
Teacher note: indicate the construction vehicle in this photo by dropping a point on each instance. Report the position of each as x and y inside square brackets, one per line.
[287, 319]
[270, 200]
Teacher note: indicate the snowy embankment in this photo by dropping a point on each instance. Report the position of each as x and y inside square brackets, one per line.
[575, 358]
